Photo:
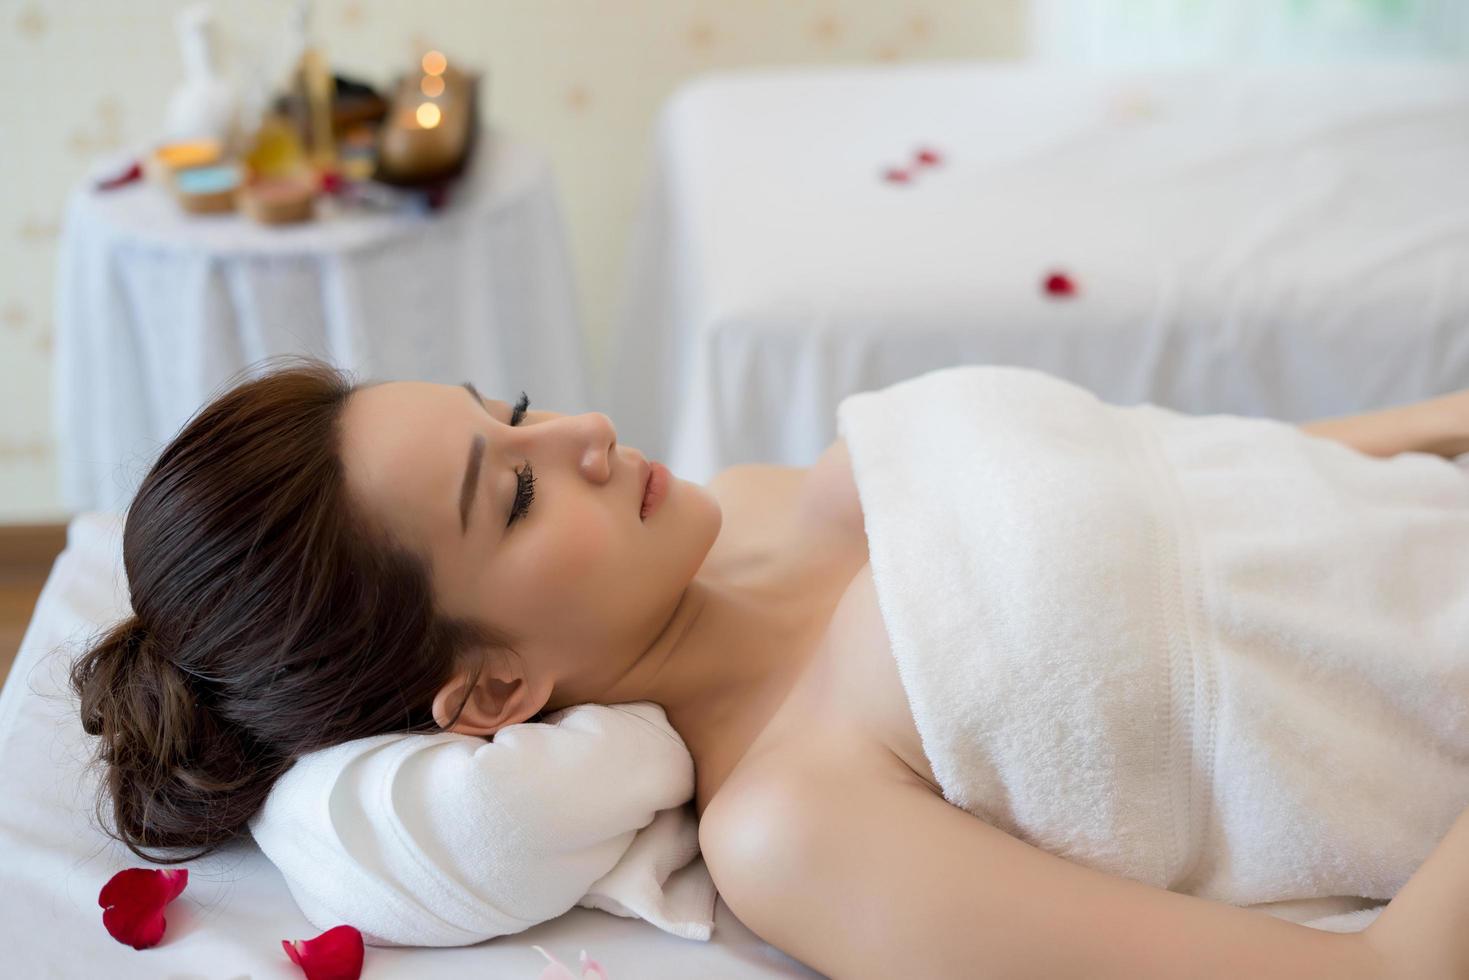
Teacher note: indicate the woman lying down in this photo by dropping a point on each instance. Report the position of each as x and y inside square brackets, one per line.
[1011, 682]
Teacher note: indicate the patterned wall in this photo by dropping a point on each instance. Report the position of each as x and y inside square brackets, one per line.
[581, 79]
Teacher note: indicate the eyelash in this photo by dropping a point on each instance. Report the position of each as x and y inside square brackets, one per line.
[525, 480]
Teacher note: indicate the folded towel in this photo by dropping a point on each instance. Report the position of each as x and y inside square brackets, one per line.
[446, 840]
[1210, 653]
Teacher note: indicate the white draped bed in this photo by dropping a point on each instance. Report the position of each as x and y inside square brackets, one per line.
[236, 909]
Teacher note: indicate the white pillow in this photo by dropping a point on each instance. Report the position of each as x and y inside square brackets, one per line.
[446, 840]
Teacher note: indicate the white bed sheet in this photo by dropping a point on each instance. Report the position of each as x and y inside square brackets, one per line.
[1281, 242]
[236, 909]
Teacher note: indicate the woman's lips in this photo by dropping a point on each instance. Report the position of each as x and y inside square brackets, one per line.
[656, 488]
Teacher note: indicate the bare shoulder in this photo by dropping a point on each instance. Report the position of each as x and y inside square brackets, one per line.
[827, 746]
[799, 848]
[798, 786]
[823, 493]
[830, 491]
[861, 872]
[747, 477]
[832, 470]
[755, 499]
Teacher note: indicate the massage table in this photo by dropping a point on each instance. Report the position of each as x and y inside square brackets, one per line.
[230, 919]
[1288, 242]
[236, 908]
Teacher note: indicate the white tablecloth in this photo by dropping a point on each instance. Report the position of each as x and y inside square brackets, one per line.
[157, 308]
[1283, 242]
[230, 919]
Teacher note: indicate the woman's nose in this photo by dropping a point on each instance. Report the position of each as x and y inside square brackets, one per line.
[599, 437]
[587, 440]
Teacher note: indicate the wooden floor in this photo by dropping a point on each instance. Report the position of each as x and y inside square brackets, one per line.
[26, 554]
[17, 598]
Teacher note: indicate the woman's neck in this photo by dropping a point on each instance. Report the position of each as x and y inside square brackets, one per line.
[722, 666]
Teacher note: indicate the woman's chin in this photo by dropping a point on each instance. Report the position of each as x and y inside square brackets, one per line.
[711, 515]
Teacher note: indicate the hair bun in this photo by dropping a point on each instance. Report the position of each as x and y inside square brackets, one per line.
[168, 760]
[134, 639]
[132, 693]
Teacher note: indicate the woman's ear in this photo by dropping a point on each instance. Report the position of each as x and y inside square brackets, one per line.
[501, 695]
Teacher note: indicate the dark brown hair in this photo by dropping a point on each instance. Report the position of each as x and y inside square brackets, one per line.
[270, 618]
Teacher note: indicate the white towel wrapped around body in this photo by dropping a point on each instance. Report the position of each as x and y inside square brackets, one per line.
[1210, 653]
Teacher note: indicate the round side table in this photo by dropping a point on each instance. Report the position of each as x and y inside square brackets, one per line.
[157, 309]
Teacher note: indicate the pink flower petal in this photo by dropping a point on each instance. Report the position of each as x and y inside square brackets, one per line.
[132, 903]
[591, 969]
[556, 970]
[334, 955]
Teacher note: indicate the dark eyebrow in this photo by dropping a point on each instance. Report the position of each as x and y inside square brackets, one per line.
[471, 468]
[474, 393]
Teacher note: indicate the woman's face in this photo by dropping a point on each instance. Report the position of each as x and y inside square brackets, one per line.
[578, 581]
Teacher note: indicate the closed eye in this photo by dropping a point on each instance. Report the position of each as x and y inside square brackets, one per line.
[525, 479]
[517, 414]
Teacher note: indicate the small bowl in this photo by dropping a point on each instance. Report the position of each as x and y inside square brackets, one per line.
[279, 200]
[208, 190]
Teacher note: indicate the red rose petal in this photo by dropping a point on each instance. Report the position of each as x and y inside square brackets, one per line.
[334, 955]
[132, 903]
[133, 173]
[926, 157]
[896, 175]
[1060, 285]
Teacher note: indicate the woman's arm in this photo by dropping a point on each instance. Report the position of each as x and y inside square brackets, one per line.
[1424, 931]
[874, 876]
[1439, 426]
